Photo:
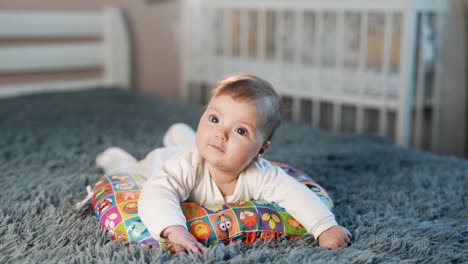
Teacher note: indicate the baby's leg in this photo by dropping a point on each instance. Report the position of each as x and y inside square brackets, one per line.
[115, 160]
[154, 160]
[179, 134]
[178, 138]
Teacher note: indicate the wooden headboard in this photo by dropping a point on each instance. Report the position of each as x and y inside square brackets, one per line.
[38, 42]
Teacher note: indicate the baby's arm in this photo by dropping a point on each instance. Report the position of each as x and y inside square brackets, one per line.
[159, 203]
[305, 206]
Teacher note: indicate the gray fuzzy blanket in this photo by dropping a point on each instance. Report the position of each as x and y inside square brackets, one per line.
[400, 205]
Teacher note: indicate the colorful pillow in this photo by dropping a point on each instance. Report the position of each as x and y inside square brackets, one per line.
[115, 202]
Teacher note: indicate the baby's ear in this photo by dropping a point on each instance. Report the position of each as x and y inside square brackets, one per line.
[264, 147]
[262, 151]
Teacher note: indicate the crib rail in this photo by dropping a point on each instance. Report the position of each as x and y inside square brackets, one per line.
[372, 62]
[63, 42]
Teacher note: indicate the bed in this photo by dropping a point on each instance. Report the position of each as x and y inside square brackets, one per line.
[401, 205]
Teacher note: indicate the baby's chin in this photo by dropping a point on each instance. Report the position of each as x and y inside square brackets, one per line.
[215, 162]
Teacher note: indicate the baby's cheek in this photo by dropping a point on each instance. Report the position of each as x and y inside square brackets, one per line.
[198, 141]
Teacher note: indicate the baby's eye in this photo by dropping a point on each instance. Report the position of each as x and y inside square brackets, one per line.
[213, 119]
[241, 131]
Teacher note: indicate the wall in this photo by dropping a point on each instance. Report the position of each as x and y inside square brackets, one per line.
[152, 28]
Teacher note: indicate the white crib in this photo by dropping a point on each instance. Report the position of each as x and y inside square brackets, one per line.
[359, 66]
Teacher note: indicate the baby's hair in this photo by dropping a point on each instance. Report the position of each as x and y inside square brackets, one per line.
[253, 88]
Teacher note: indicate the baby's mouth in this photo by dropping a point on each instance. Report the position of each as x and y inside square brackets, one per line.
[217, 148]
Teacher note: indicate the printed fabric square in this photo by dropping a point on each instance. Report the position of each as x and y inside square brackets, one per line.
[225, 224]
[192, 211]
[203, 230]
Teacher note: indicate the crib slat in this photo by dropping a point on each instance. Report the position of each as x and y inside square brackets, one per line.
[339, 46]
[316, 112]
[298, 29]
[318, 43]
[352, 5]
[420, 84]
[297, 60]
[317, 63]
[336, 116]
[227, 44]
[217, 26]
[279, 37]
[388, 31]
[261, 35]
[298, 48]
[209, 49]
[408, 48]
[296, 108]
[435, 126]
[362, 69]
[336, 122]
[244, 32]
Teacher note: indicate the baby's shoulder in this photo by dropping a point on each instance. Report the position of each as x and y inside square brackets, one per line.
[187, 158]
[261, 168]
[262, 164]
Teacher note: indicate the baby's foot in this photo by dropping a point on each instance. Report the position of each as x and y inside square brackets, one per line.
[115, 159]
[179, 134]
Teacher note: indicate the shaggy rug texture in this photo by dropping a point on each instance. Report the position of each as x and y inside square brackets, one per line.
[402, 206]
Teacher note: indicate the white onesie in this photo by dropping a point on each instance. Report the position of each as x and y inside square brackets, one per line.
[185, 177]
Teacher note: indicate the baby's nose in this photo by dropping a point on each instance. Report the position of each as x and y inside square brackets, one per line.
[221, 134]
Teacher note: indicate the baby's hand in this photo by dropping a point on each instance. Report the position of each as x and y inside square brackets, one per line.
[182, 240]
[335, 237]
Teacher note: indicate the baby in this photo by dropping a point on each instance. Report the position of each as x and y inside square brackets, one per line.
[222, 163]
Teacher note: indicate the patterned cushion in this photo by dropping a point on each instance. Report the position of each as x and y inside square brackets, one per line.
[115, 202]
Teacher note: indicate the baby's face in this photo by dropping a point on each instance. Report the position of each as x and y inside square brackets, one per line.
[230, 134]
